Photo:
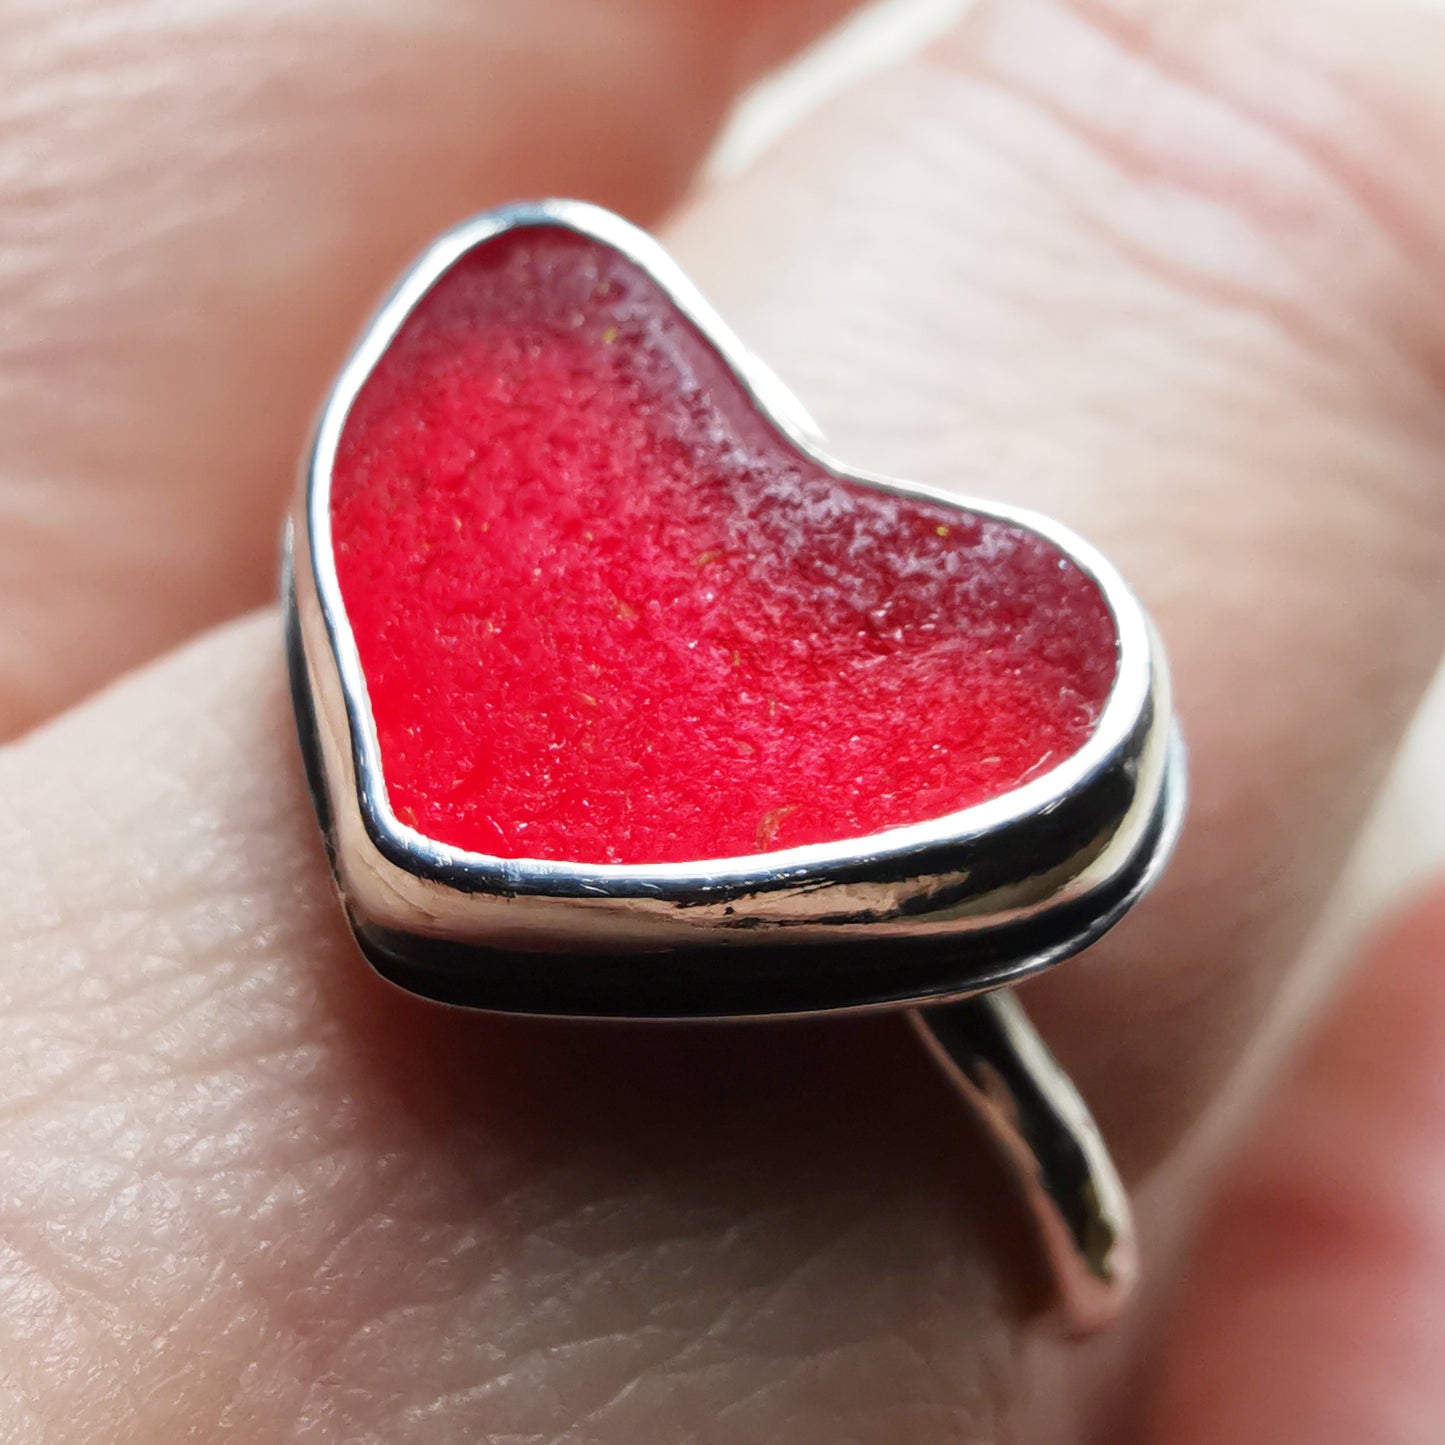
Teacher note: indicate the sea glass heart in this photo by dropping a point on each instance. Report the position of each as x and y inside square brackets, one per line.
[607, 612]
[619, 698]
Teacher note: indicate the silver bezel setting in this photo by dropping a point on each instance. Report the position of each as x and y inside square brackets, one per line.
[967, 902]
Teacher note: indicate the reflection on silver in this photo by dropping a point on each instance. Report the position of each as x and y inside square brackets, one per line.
[931, 914]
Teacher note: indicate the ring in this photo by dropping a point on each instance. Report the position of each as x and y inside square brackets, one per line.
[620, 698]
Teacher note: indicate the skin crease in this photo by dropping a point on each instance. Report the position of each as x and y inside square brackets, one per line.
[241, 185]
[1174, 274]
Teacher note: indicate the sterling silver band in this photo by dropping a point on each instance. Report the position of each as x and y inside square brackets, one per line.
[993, 1056]
[939, 918]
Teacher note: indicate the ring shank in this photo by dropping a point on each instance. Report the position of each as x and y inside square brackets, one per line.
[994, 1057]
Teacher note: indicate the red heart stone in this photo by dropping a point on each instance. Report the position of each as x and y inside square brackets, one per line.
[607, 614]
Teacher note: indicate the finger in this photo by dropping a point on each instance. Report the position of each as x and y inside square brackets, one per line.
[1317, 1298]
[1171, 273]
[418, 1223]
[248, 1191]
[197, 204]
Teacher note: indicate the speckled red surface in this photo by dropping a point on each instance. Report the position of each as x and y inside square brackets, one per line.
[605, 615]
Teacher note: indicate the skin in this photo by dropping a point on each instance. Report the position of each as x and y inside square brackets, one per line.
[1171, 271]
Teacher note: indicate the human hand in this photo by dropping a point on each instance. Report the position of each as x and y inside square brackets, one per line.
[1171, 273]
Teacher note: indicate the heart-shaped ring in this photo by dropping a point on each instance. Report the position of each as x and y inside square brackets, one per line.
[620, 698]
